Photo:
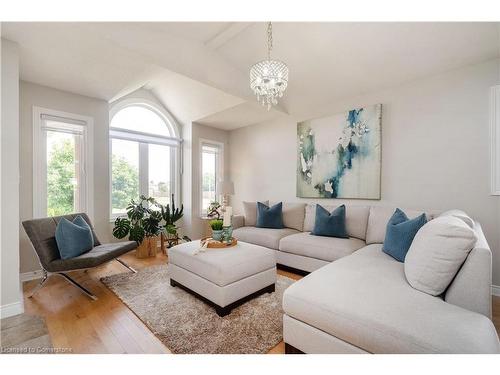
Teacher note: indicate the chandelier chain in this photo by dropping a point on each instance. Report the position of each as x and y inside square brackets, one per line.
[269, 39]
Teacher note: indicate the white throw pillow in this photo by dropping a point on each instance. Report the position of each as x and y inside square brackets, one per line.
[437, 253]
[250, 209]
[461, 215]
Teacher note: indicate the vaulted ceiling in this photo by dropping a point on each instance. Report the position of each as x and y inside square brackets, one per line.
[199, 70]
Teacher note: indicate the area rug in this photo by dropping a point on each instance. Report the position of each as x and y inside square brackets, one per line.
[187, 325]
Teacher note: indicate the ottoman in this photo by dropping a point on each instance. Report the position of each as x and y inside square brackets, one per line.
[224, 278]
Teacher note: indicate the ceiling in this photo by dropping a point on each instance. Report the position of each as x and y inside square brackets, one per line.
[199, 70]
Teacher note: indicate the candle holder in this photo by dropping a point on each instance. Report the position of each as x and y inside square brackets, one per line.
[227, 234]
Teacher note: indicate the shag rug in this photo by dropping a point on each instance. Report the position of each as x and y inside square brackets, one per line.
[187, 325]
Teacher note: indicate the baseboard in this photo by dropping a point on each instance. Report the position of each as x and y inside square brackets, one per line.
[495, 290]
[11, 309]
[32, 275]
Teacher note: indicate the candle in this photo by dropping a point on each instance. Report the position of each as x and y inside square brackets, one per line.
[227, 216]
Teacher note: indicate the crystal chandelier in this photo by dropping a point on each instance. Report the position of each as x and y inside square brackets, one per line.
[269, 78]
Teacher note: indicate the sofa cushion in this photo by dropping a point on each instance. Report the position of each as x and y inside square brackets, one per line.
[379, 217]
[330, 224]
[270, 217]
[250, 209]
[222, 266]
[437, 252]
[293, 215]
[262, 236]
[364, 299]
[400, 233]
[356, 219]
[95, 257]
[319, 247]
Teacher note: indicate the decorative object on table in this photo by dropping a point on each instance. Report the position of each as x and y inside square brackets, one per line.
[170, 232]
[217, 226]
[225, 188]
[214, 210]
[269, 78]
[340, 156]
[227, 225]
[148, 222]
[210, 243]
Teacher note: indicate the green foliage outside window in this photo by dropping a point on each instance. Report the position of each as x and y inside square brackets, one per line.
[60, 179]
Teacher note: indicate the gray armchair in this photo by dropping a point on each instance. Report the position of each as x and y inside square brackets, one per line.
[41, 233]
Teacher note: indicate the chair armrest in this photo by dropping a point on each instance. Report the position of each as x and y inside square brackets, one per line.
[238, 221]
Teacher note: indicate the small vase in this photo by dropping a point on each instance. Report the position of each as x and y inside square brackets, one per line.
[217, 234]
[228, 233]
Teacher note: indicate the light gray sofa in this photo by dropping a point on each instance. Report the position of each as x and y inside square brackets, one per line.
[357, 299]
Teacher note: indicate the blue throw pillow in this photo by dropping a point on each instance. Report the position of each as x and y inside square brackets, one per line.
[270, 217]
[330, 224]
[80, 221]
[400, 233]
[73, 239]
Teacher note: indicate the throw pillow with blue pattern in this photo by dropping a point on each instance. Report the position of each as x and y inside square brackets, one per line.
[400, 233]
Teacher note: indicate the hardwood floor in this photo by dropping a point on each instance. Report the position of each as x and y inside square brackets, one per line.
[107, 325]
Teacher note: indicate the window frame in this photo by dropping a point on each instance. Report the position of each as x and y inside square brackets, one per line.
[144, 139]
[40, 159]
[219, 173]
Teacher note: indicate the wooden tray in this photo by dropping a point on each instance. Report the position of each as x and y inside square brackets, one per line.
[213, 244]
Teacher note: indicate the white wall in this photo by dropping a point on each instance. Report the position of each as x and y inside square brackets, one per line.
[11, 296]
[435, 149]
[30, 95]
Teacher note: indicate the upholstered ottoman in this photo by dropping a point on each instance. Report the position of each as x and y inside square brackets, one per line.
[224, 278]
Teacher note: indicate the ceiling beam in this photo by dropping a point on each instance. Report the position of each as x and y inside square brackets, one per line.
[226, 35]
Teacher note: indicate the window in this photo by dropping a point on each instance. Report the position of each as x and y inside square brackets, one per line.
[144, 147]
[211, 172]
[62, 160]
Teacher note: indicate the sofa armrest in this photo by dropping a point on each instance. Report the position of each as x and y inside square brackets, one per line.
[471, 288]
[238, 221]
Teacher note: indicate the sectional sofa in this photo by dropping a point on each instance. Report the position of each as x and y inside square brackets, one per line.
[356, 299]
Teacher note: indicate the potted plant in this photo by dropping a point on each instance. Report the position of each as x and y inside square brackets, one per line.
[170, 232]
[142, 225]
[217, 229]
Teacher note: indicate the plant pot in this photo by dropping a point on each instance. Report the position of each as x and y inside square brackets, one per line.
[147, 248]
[217, 234]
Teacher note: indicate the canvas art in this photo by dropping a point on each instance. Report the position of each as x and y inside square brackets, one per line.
[339, 156]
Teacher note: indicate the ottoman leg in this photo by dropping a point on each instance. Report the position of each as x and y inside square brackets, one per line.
[271, 288]
[222, 311]
[173, 282]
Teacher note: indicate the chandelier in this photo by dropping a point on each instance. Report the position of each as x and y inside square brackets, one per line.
[269, 78]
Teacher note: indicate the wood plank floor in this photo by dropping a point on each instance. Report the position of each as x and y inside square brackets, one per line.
[107, 325]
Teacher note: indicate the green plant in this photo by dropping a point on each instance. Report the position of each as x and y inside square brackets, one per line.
[170, 214]
[216, 224]
[142, 221]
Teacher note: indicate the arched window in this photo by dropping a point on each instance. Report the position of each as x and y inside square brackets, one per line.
[145, 153]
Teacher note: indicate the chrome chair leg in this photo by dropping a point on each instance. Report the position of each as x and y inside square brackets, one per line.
[125, 265]
[82, 288]
[40, 284]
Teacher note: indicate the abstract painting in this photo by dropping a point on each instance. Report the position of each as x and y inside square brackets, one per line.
[339, 156]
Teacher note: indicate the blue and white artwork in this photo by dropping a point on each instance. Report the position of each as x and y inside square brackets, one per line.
[340, 156]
